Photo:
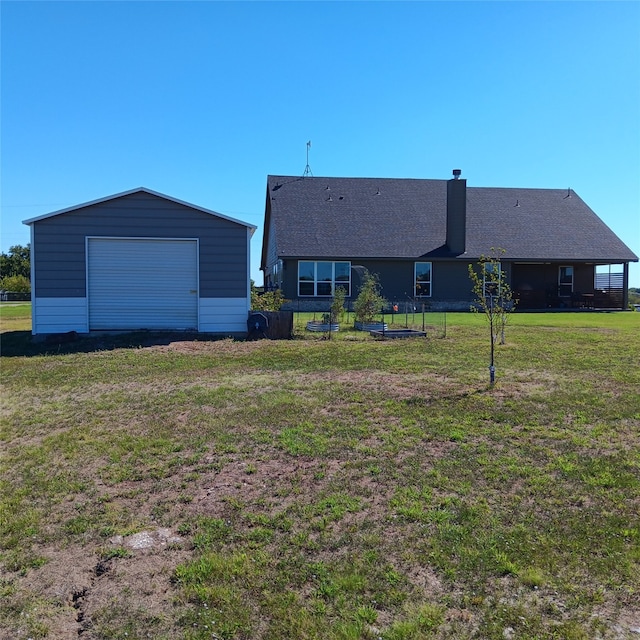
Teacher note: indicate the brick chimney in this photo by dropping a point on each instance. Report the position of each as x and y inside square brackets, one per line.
[456, 213]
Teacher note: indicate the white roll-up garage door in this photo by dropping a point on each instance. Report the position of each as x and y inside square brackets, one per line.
[142, 283]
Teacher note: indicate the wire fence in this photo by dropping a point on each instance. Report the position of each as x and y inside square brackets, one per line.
[12, 296]
[407, 314]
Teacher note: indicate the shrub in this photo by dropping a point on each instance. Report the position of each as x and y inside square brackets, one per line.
[267, 301]
[369, 301]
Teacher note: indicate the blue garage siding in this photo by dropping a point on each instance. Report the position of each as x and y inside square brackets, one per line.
[60, 260]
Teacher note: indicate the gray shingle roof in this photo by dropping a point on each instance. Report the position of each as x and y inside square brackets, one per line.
[406, 218]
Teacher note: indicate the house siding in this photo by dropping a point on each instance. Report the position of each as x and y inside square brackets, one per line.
[450, 282]
[60, 260]
[271, 254]
[451, 287]
[271, 248]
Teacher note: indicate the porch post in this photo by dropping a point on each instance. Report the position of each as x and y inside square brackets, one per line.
[625, 285]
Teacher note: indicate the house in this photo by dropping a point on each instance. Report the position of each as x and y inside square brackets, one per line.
[139, 260]
[419, 236]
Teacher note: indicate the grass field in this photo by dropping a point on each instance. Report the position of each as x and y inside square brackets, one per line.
[164, 487]
[15, 316]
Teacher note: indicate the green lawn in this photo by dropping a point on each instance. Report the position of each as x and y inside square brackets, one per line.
[324, 489]
[15, 316]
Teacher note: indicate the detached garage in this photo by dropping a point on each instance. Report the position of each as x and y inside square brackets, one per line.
[139, 260]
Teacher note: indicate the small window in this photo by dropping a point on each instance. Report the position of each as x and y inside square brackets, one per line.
[422, 287]
[565, 281]
[275, 277]
[492, 279]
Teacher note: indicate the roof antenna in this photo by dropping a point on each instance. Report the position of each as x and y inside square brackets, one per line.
[307, 169]
[568, 194]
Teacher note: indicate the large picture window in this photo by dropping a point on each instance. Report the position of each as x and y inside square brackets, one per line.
[321, 278]
[422, 280]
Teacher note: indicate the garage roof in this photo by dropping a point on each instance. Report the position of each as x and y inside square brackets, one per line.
[140, 190]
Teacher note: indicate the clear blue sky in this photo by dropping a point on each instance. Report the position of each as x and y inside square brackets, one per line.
[202, 100]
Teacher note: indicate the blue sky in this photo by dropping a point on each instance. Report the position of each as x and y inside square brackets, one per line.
[202, 100]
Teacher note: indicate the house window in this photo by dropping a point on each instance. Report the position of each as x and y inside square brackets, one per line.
[565, 281]
[277, 274]
[275, 277]
[492, 279]
[422, 280]
[321, 278]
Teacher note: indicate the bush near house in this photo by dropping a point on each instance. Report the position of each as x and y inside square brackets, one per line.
[266, 300]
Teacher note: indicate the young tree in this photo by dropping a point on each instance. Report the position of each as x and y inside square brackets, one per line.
[337, 306]
[493, 297]
[369, 301]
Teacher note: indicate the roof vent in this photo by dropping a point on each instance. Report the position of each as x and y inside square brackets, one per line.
[456, 173]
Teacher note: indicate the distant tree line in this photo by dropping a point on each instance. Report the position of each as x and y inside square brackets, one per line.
[15, 269]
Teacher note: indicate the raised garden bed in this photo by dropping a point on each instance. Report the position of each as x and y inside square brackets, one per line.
[316, 325]
[399, 333]
[370, 326]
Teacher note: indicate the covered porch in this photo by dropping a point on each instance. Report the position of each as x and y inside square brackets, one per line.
[567, 285]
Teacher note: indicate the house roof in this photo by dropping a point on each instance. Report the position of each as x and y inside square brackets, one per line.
[406, 218]
[139, 190]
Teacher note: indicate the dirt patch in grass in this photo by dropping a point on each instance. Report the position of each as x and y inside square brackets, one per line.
[392, 385]
[271, 483]
[78, 590]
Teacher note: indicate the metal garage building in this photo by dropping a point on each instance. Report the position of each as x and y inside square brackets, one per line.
[139, 260]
